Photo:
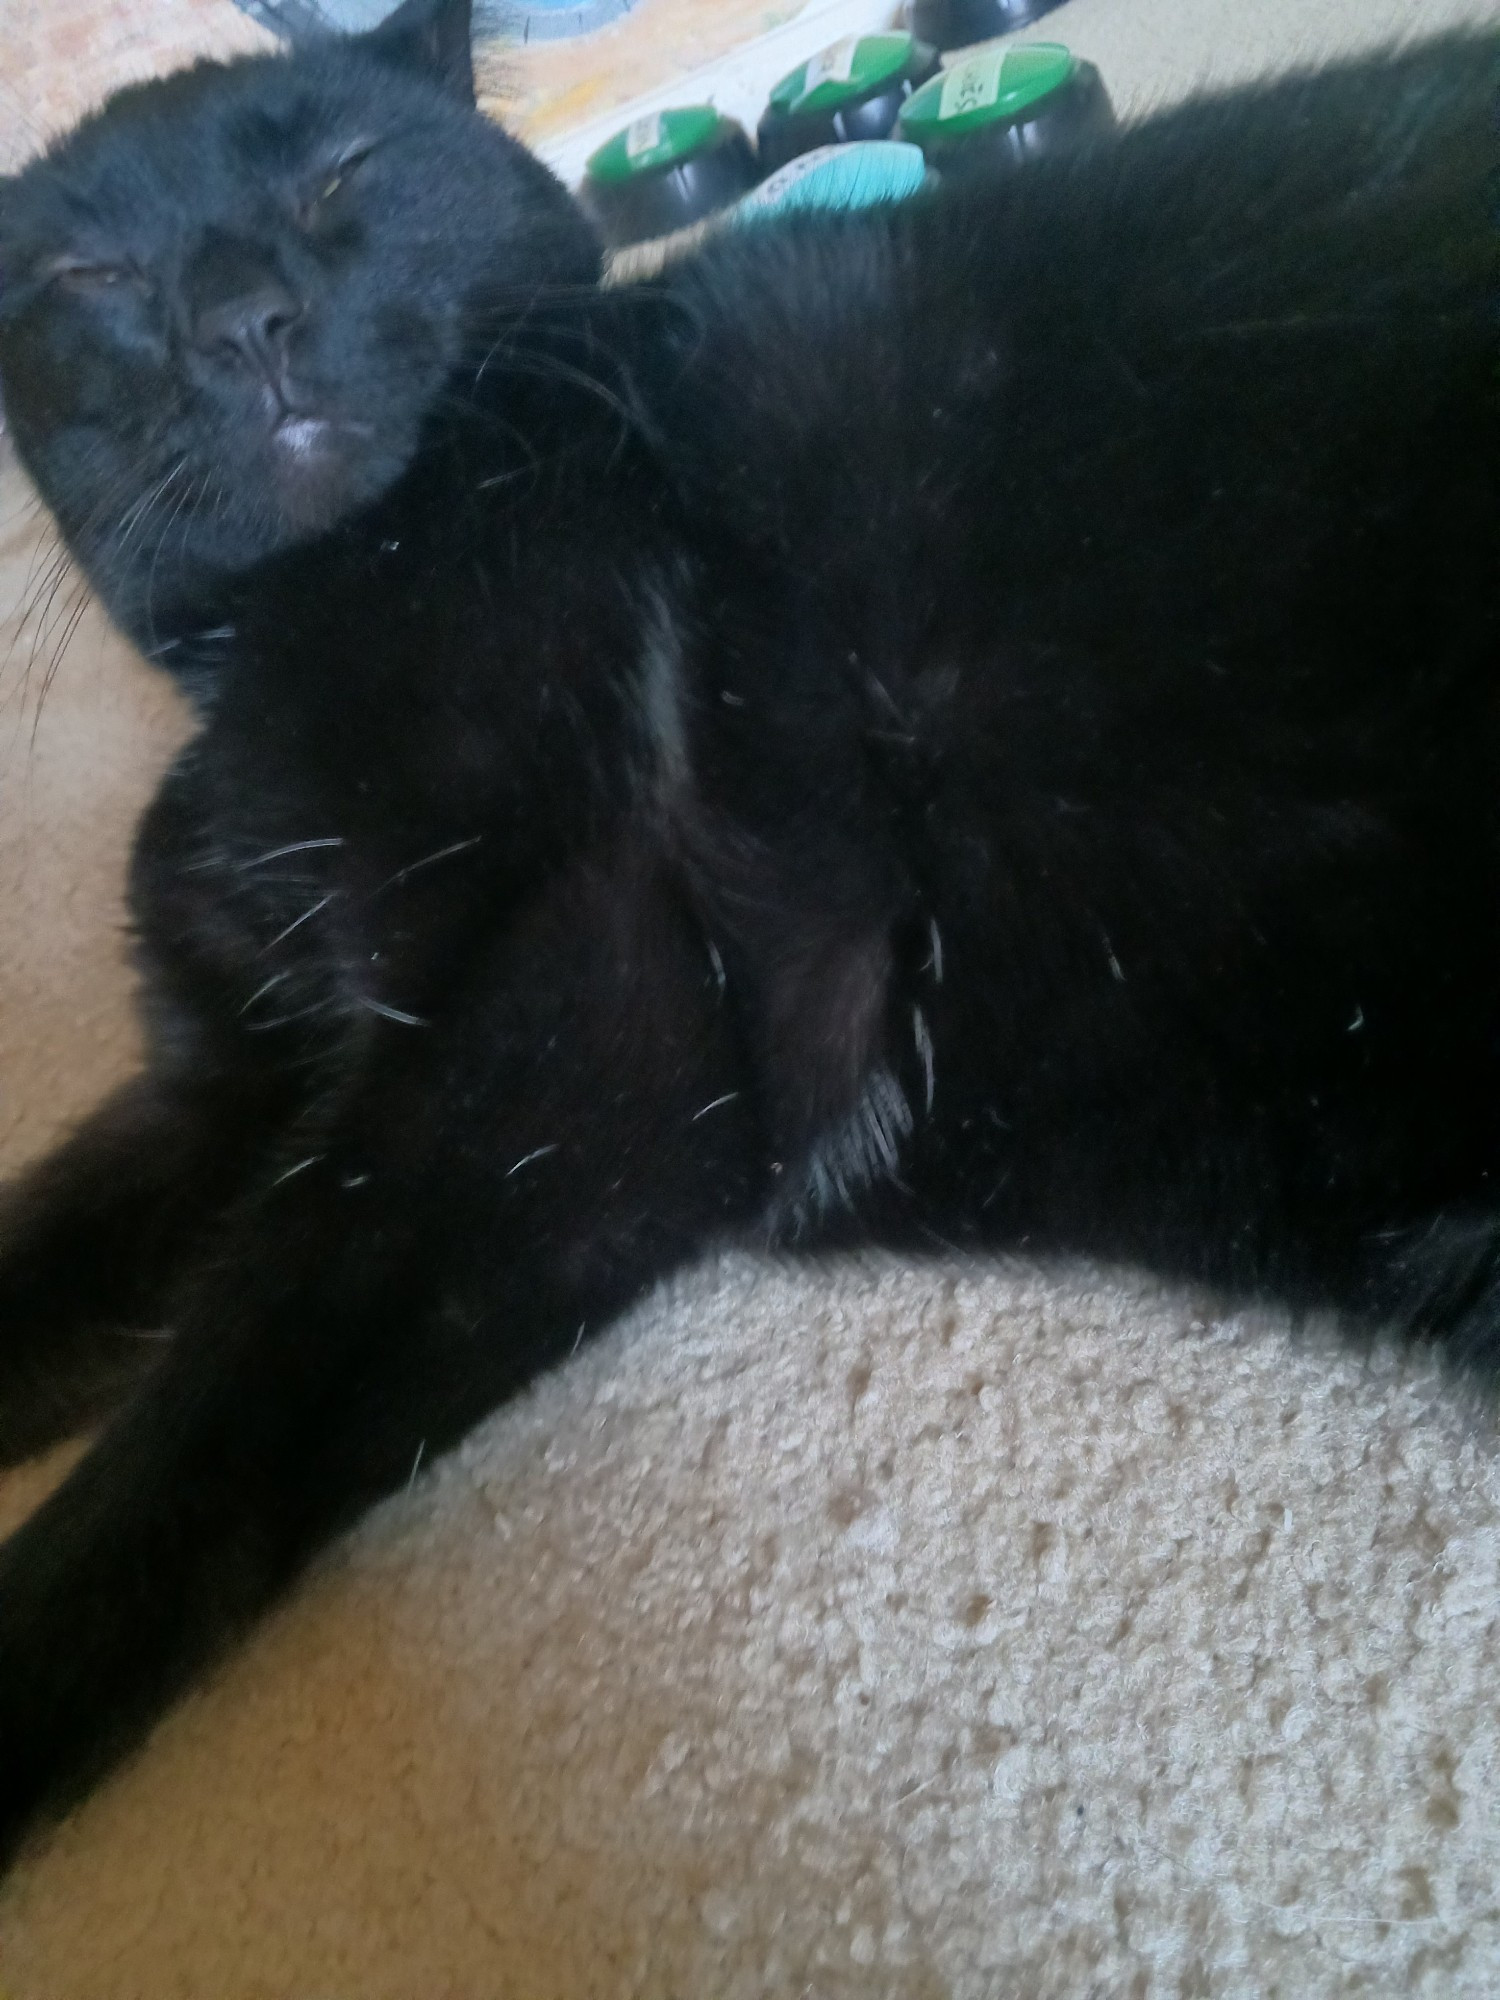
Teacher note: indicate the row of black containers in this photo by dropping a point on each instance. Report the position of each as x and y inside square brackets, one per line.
[997, 106]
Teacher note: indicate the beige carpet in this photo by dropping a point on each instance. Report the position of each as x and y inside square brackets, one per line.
[864, 1630]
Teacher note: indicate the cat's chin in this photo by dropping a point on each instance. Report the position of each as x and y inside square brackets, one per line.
[319, 469]
[304, 437]
[303, 476]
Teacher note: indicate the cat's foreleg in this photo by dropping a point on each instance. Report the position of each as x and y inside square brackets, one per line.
[510, 1176]
[92, 1238]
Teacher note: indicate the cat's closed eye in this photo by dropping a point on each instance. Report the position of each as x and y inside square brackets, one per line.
[87, 276]
[344, 167]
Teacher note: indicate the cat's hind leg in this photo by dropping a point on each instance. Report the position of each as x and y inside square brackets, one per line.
[1438, 1280]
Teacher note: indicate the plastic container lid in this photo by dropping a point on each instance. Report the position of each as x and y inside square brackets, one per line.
[665, 171]
[1020, 102]
[844, 71]
[661, 139]
[856, 176]
[955, 24]
[853, 89]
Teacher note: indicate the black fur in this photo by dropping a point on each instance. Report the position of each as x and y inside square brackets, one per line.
[971, 722]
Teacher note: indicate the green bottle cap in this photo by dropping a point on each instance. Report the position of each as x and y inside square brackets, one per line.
[660, 139]
[668, 169]
[846, 70]
[994, 87]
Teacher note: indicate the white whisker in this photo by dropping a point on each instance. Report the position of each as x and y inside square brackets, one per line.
[388, 1013]
[427, 861]
[923, 1041]
[261, 991]
[296, 924]
[292, 847]
[728, 1098]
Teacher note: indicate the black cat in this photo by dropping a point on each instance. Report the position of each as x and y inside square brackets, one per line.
[977, 721]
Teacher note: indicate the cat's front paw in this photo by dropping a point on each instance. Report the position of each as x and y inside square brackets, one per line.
[24, 1753]
[65, 1607]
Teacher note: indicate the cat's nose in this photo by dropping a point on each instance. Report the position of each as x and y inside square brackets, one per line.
[252, 328]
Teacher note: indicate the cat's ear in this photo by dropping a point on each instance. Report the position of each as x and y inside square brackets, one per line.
[430, 37]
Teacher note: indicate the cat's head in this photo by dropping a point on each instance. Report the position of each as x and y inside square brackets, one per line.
[230, 300]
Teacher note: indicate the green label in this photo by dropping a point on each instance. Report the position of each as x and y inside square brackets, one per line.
[846, 70]
[992, 87]
[660, 139]
[971, 86]
[645, 136]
